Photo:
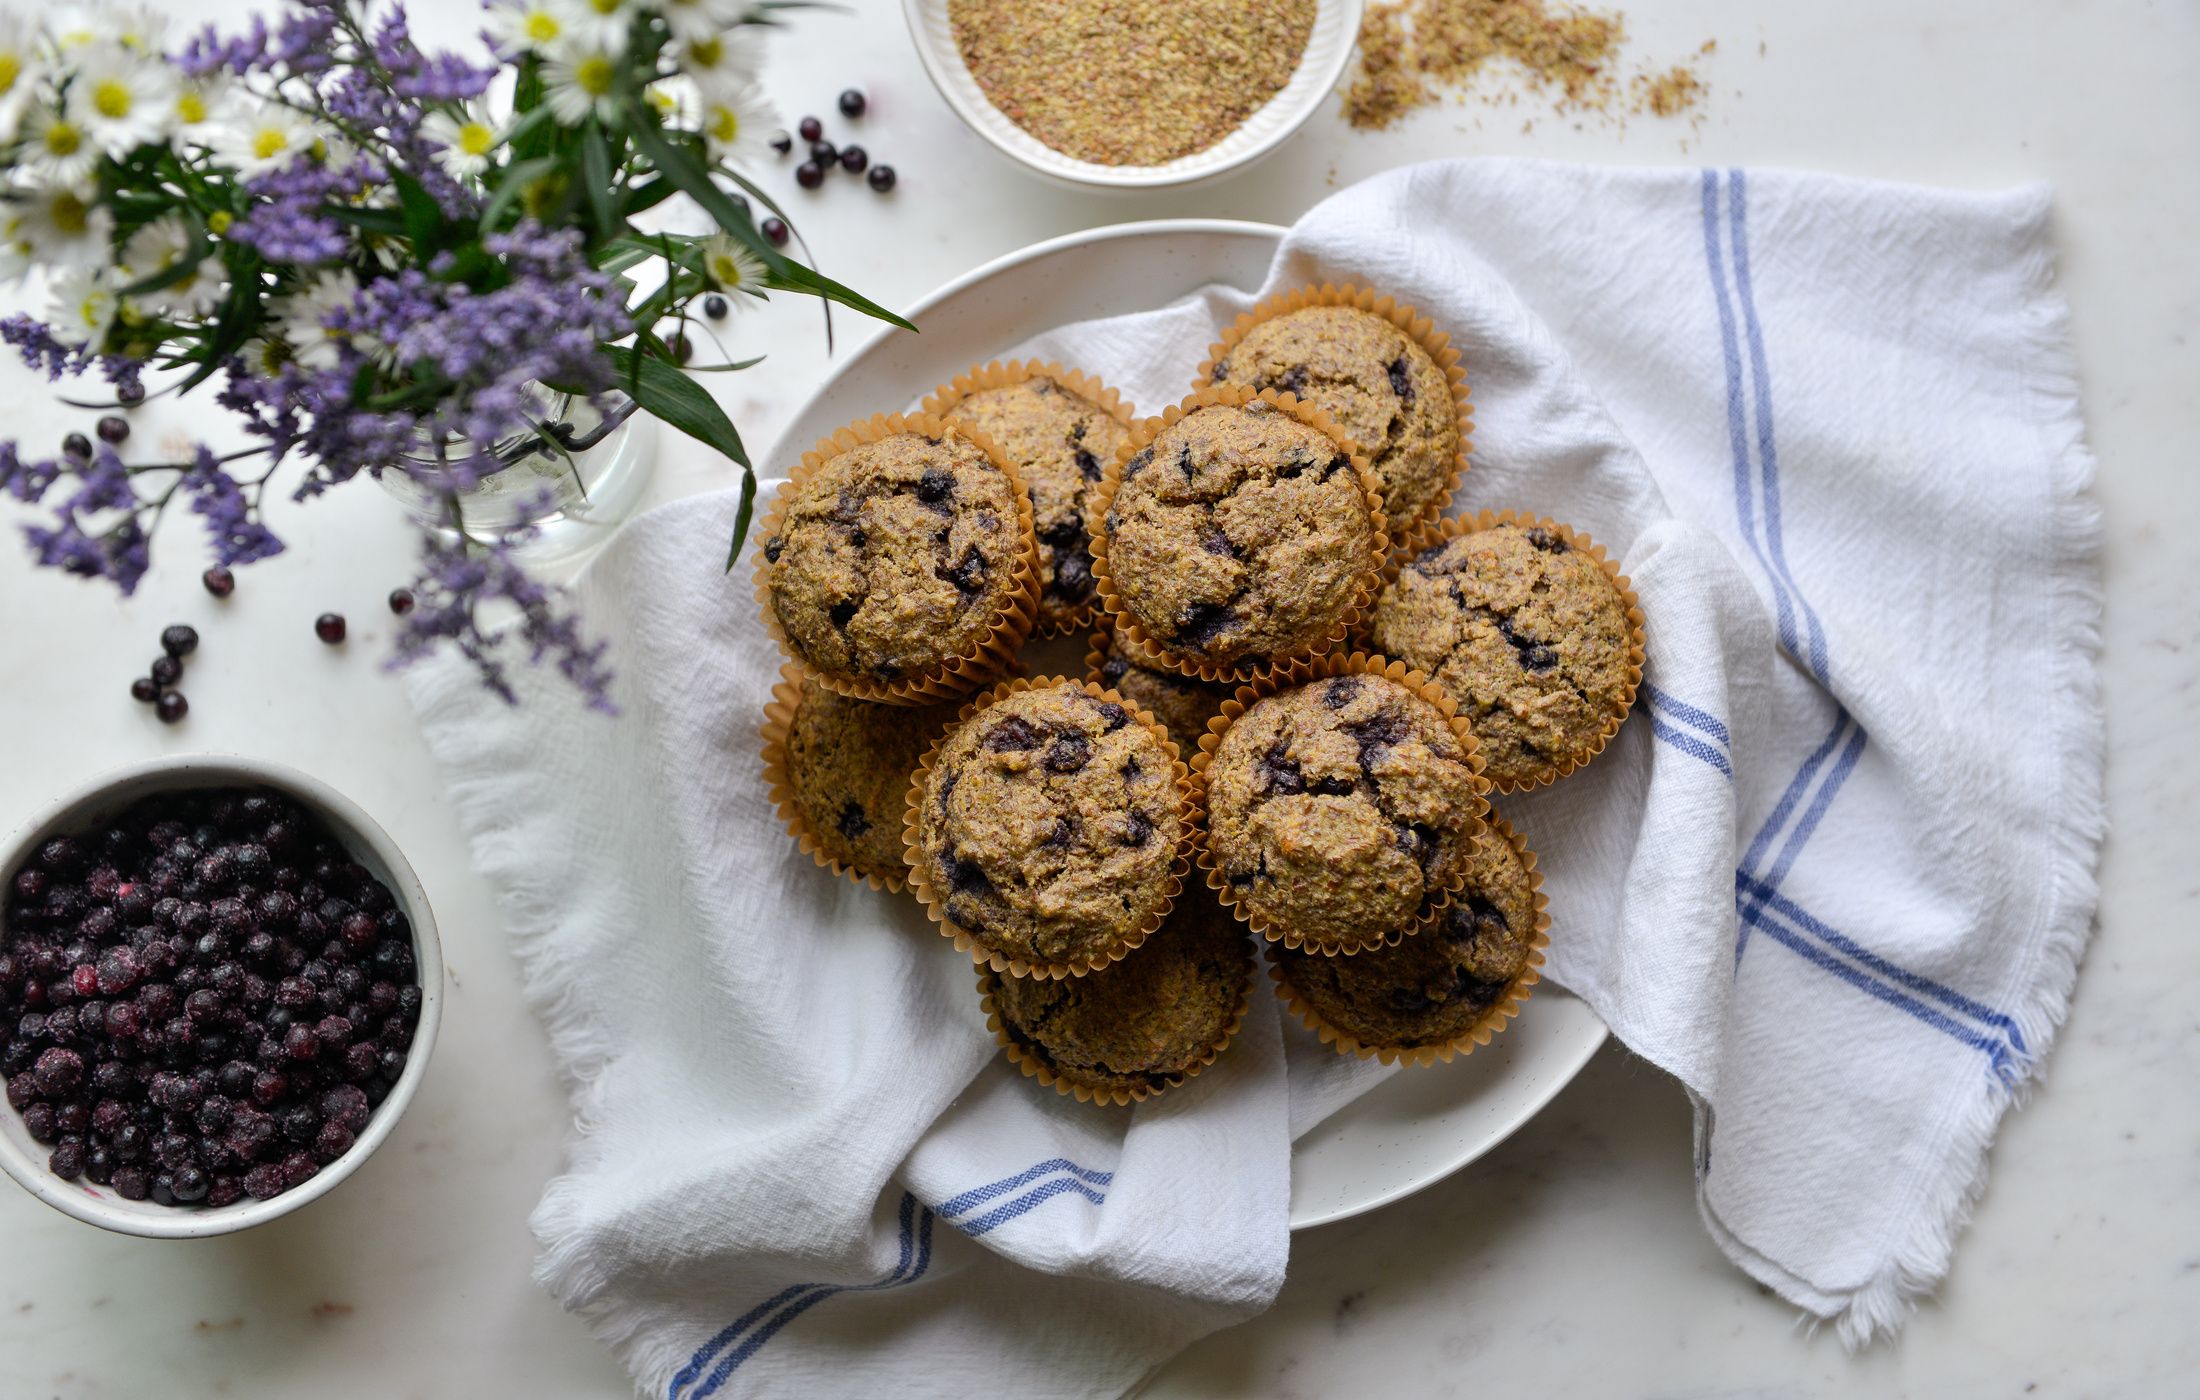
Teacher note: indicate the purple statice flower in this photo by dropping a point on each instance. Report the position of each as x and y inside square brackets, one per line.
[422, 76]
[300, 44]
[457, 583]
[43, 351]
[26, 481]
[103, 484]
[289, 221]
[238, 535]
[119, 554]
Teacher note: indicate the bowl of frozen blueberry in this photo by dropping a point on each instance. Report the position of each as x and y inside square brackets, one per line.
[219, 985]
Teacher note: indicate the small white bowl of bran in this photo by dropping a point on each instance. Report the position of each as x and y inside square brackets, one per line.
[1134, 94]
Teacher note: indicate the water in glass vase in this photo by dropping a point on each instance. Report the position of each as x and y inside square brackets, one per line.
[577, 476]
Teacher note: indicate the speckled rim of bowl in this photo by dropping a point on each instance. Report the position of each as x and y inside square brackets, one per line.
[25, 1159]
[1328, 51]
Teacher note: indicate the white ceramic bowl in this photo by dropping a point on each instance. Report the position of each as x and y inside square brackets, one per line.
[1328, 49]
[24, 1158]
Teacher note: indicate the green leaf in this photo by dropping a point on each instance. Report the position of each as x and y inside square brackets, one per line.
[383, 221]
[517, 177]
[790, 275]
[727, 368]
[182, 271]
[741, 516]
[647, 195]
[596, 174]
[423, 216]
[661, 388]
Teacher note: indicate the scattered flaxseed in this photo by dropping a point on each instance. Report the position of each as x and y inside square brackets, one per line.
[1410, 49]
[1131, 82]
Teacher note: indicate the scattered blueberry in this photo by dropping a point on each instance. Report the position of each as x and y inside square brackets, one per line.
[166, 670]
[401, 601]
[852, 103]
[130, 395]
[776, 231]
[714, 306]
[825, 153]
[78, 446]
[782, 143]
[179, 641]
[143, 689]
[881, 178]
[113, 430]
[329, 627]
[219, 581]
[853, 159]
[809, 175]
[682, 352]
[811, 128]
[172, 707]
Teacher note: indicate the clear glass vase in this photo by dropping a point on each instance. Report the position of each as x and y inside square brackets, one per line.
[576, 477]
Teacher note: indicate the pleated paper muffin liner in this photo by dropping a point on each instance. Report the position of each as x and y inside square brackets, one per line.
[1018, 611]
[1417, 328]
[1437, 533]
[1000, 375]
[935, 901]
[989, 982]
[1290, 678]
[1134, 636]
[778, 727]
[1492, 1020]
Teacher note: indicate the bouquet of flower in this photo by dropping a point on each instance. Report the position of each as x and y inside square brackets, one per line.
[386, 259]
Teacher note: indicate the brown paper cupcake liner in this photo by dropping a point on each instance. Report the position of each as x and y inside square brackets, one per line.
[1491, 1021]
[989, 982]
[1297, 674]
[962, 674]
[1127, 629]
[1420, 329]
[999, 375]
[935, 903]
[779, 785]
[1439, 532]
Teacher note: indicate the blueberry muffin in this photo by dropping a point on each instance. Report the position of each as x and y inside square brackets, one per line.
[897, 558]
[1136, 1027]
[1527, 632]
[1386, 393]
[1058, 441]
[1437, 987]
[1182, 704]
[1341, 812]
[1048, 828]
[841, 769]
[1239, 537]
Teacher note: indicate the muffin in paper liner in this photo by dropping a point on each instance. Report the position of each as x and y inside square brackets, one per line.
[1128, 630]
[1054, 620]
[1437, 533]
[934, 899]
[781, 784]
[1018, 611]
[1404, 511]
[1492, 1019]
[1289, 678]
[1067, 1080]
[1191, 703]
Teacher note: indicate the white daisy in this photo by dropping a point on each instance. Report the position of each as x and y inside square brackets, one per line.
[264, 137]
[21, 72]
[264, 356]
[303, 316]
[690, 20]
[599, 24]
[671, 98]
[579, 81]
[57, 147]
[122, 99]
[196, 107]
[84, 306]
[737, 124]
[535, 25]
[159, 247]
[58, 226]
[732, 266]
[717, 62]
[467, 140]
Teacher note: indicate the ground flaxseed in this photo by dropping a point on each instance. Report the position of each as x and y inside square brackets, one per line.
[1410, 50]
[1131, 82]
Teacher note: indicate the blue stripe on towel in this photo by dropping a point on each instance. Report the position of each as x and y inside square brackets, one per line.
[1045, 1191]
[1705, 746]
[1691, 745]
[1687, 714]
[916, 1257]
[978, 1196]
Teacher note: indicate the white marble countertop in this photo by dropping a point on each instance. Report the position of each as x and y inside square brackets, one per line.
[1571, 1259]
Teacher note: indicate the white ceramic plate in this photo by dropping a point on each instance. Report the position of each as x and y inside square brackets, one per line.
[1420, 1125]
[1328, 49]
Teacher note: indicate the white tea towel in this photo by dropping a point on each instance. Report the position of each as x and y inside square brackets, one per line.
[1835, 874]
